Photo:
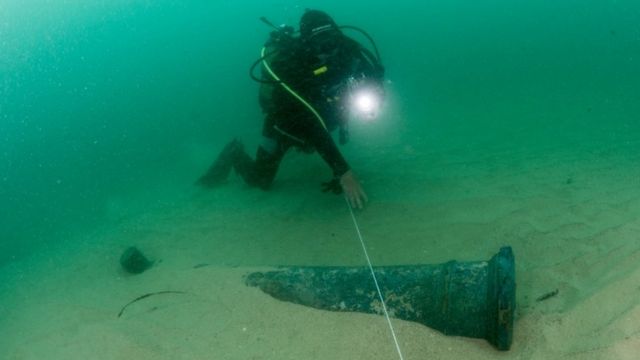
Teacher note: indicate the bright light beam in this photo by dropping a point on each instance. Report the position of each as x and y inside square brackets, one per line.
[366, 104]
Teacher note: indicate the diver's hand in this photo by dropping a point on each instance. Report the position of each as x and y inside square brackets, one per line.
[353, 190]
[333, 186]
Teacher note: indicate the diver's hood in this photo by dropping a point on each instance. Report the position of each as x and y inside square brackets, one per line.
[315, 23]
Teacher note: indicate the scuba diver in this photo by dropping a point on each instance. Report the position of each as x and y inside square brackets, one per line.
[311, 83]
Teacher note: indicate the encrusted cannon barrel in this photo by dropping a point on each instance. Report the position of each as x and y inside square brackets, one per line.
[472, 299]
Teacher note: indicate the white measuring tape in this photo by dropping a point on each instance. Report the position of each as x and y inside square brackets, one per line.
[375, 280]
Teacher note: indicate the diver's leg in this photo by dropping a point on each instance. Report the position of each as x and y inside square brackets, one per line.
[221, 167]
[262, 171]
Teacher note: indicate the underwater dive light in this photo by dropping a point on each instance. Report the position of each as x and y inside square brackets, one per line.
[366, 104]
[365, 99]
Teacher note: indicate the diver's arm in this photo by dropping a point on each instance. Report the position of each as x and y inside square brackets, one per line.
[329, 151]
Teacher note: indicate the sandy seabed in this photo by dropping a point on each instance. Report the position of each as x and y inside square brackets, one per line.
[572, 218]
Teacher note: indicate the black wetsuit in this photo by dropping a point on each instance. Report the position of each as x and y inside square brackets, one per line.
[288, 122]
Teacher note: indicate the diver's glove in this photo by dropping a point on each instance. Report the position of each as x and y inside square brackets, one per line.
[333, 186]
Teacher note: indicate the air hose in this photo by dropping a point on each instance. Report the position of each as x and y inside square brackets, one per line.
[286, 87]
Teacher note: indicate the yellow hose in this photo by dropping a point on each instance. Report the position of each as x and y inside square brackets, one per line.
[286, 87]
